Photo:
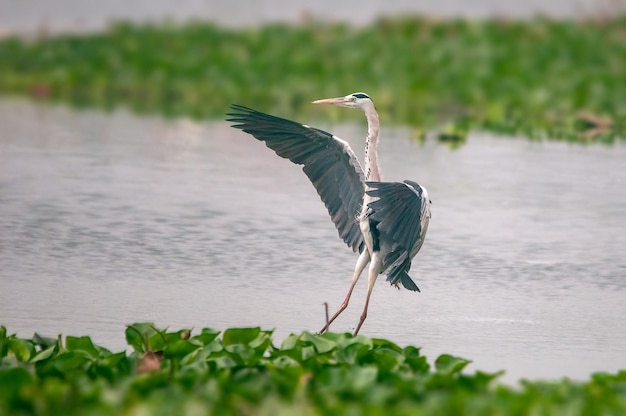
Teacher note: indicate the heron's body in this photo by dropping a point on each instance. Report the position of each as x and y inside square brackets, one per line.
[385, 222]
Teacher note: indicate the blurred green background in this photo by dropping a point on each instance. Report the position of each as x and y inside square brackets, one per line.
[559, 77]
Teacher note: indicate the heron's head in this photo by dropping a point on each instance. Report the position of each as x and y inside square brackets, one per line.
[355, 100]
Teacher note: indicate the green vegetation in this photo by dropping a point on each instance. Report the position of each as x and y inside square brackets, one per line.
[243, 373]
[538, 78]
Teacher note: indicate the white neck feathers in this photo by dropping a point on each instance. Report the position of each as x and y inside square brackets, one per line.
[372, 171]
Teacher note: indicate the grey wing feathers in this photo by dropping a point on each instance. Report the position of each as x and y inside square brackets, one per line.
[329, 163]
[401, 213]
[398, 210]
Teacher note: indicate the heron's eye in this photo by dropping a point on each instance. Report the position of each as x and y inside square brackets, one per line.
[353, 99]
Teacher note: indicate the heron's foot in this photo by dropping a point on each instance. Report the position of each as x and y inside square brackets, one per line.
[321, 331]
[358, 327]
[343, 307]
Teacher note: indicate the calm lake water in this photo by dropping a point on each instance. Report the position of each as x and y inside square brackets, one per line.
[109, 219]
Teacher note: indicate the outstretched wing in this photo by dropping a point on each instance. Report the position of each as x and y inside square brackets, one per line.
[402, 212]
[328, 161]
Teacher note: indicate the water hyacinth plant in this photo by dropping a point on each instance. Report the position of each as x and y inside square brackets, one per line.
[241, 371]
[537, 78]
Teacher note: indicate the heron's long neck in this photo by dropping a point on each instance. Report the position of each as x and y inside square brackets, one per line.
[372, 171]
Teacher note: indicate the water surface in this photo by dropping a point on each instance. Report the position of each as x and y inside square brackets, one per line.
[109, 219]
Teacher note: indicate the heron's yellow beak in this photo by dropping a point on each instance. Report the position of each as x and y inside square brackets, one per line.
[336, 101]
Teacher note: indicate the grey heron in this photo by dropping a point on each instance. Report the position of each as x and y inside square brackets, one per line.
[385, 222]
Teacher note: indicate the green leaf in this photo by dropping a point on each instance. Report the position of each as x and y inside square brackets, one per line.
[206, 336]
[321, 344]
[359, 339]
[308, 352]
[44, 354]
[243, 354]
[290, 342]
[262, 342]
[158, 340]
[71, 360]
[449, 364]
[21, 348]
[114, 360]
[44, 342]
[351, 353]
[415, 360]
[384, 358]
[386, 344]
[213, 346]
[137, 335]
[180, 349]
[240, 335]
[112, 367]
[284, 362]
[222, 361]
[83, 344]
[4, 345]
[480, 380]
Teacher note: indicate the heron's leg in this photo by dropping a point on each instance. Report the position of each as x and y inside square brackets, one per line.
[364, 258]
[374, 271]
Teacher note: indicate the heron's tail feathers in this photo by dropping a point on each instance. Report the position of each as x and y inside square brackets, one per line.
[406, 281]
[396, 266]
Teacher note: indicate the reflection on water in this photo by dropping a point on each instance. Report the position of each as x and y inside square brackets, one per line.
[110, 219]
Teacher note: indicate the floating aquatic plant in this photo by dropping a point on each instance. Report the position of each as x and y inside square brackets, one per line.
[538, 78]
[241, 371]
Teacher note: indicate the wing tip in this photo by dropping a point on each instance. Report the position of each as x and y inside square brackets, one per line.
[239, 108]
[241, 115]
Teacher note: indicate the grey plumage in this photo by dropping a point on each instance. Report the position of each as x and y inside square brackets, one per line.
[394, 212]
[328, 162]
